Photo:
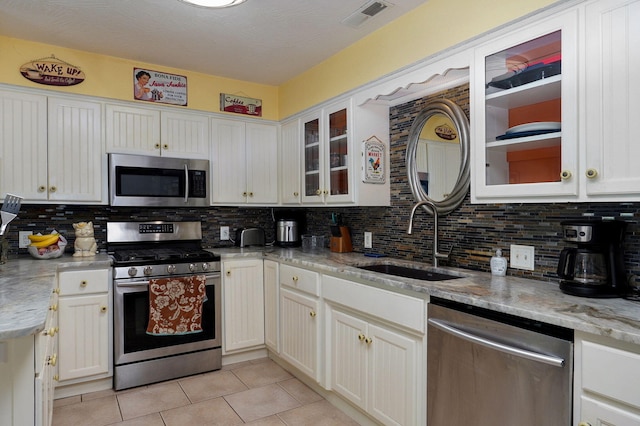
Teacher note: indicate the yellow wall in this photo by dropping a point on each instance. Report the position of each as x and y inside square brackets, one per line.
[429, 29]
[111, 77]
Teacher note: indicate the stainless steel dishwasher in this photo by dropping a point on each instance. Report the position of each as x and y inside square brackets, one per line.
[489, 368]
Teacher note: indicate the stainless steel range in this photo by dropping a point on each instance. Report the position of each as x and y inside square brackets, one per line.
[146, 254]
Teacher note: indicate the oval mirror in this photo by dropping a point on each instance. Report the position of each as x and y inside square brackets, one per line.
[438, 156]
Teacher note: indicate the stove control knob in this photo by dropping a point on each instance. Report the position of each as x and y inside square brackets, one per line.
[132, 271]
[205, 266]
[192, 267]
[171, 269]
[148, 270]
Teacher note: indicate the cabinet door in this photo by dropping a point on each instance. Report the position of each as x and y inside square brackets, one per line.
[337, 185]
[349, 357]
[611, 99]
[290, 169]
[262, 163]
[271, 293]
[393, 379]
[228, 162]
[299, 325]
[600, 413]
[313, 158]
[83, 339]
[243, 304]
[23, 140]
[75, 151]
[184, 135]
[132, 130]
[530, 165]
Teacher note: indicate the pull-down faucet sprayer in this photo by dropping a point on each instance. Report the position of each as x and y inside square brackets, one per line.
[436, 254]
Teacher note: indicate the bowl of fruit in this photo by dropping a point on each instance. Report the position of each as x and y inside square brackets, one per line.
[47, 246]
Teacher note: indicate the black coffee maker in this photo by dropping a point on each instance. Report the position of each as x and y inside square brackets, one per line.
[595, 266]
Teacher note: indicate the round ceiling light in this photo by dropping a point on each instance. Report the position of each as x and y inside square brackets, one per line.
[214, 3]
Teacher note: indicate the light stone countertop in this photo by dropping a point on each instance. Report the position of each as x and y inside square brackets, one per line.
[26, 285]
[537, 300]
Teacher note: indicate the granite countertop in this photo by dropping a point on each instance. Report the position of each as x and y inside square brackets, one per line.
[538, 300]
[26, 285]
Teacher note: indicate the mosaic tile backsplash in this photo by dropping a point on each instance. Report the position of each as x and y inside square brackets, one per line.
[472, 233]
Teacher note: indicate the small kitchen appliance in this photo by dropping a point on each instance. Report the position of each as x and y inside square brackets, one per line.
[287, 233]
[594, 267]
[249, 237]
[340, 239]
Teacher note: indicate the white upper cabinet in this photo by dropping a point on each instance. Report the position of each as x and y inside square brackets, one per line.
[612, 100]
[525, 113]
[244, 162]
[290, 163]
[50, 148]
[146, 131]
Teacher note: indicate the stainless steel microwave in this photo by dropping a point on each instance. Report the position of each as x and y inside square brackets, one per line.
[144, 181]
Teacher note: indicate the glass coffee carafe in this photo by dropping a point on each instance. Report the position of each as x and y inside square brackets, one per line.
[589, 267]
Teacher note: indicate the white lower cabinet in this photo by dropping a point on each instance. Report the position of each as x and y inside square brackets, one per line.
[607, 373]
[300, 319]
[375, 364]
[243, 301]
[85, 326]
[271, 305]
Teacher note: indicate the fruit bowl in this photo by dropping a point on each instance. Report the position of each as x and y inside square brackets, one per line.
[50, 252]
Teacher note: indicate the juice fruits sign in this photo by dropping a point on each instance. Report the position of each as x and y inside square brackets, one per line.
[52, 72]
[161, 87]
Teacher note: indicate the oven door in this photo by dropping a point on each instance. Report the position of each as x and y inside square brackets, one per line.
[131, 317]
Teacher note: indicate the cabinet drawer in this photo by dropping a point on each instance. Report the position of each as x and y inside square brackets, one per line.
[397, 308]
[300, 279]
[83, 281]
[612, 372]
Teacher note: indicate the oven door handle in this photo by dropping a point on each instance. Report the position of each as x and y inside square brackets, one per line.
[145, 283]
[186, 183]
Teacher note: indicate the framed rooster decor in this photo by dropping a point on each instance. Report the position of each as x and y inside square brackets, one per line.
[373, 157]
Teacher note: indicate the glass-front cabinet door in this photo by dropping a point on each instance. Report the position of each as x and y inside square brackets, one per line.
[525, 126]
[326, 152]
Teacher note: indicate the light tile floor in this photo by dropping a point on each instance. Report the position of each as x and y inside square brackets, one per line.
[258, 392]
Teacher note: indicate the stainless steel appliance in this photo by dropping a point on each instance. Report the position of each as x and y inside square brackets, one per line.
[145, 181]
[287, 233]
[249, 237]
[485, 368]
[594, 267]
[143, 251]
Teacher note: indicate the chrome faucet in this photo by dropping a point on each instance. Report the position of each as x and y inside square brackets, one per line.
[436, 254]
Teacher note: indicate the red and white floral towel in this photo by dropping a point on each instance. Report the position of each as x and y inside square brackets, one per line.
[175, 305]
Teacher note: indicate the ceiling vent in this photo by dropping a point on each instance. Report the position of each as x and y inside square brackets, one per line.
[365, 13]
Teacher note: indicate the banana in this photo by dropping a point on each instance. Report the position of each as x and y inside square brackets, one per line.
[36, 238]
[49, 241]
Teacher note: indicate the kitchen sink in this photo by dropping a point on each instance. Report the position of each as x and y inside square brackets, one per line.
[408, 272]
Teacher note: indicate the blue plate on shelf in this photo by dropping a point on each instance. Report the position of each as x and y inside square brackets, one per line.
[525, 134]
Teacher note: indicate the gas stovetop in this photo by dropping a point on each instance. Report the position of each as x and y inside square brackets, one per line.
[152, 249]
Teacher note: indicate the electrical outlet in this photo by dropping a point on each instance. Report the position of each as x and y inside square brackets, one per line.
[224, 233]
[522, 257]
[368, 243]
[24, 239]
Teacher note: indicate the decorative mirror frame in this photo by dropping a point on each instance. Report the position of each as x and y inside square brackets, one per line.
[460, 189]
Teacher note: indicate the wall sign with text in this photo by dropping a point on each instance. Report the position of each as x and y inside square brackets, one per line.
[52, 71]
[240, 105]
[161, 87]
[373, 158]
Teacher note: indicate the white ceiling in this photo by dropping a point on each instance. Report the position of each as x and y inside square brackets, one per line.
[262, 41]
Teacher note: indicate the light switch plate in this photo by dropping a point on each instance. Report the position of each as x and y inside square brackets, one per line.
[224, 233]
[368, 243]
[522, 257]
[24, 239]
